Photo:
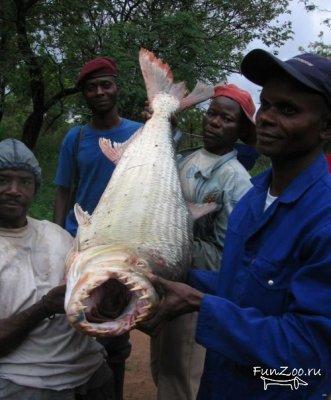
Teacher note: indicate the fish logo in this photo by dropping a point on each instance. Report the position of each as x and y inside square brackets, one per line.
[293, 383]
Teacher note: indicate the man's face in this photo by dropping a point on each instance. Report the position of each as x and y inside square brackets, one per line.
[221, 125]
[17, 190]
[289, 122]
[100, 93]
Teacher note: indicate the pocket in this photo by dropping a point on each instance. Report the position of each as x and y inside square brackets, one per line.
[265, 285]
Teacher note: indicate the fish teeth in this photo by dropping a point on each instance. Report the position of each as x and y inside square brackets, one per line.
[145, 296]
[130, 282]
[135, 288]
[139, 319]
[148, 307]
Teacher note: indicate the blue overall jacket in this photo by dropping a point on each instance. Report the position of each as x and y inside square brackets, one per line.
[269, 307]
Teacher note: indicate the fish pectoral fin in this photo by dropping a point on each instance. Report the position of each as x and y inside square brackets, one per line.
[83, 217]
[199, 210]
[114, 150]
[200, 93]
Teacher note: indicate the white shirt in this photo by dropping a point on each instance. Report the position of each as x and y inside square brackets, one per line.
[53, 356]
[269, 200]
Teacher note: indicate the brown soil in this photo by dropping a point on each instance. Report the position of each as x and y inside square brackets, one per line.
[138, 383]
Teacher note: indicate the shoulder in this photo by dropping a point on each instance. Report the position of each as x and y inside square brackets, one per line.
[186, 156]
[48, 229]
[234, 172]
[71, 135]
[319, 194]
[129, 124]
[188, 152]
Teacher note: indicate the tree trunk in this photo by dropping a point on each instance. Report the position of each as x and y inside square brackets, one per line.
[33, 124]
[32, 128]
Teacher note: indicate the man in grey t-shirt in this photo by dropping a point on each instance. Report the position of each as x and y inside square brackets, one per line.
[41, 356]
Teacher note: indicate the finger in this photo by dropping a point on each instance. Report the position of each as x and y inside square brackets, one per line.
[149, 330]
[146, 115]
[160, 283]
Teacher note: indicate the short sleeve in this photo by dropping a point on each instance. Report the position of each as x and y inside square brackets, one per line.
[64, 170]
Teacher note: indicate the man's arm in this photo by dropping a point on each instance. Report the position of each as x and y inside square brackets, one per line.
[65, 175]
[14, 329]
[207, 249]
[300, 338]
[61, 205]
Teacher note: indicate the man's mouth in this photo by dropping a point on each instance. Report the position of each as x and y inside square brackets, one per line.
[267, 137]
[209, 135]
[10, 204]
[101, 102]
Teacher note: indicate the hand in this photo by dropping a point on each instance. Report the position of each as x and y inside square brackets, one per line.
[148, 112]
[54, 300]
[178, 298]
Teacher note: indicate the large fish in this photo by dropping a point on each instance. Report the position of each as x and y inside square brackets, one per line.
[141, 223]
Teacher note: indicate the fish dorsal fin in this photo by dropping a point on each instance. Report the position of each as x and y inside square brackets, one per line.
[83, 217]
[114, 150]
[158, 77]
[199, 210]
[200, 93]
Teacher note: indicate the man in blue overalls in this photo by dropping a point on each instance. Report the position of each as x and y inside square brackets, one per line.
[265, 318]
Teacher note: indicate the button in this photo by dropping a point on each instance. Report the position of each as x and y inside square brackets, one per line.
[270, 282]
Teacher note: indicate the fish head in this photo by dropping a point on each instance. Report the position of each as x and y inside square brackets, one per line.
[108, 291]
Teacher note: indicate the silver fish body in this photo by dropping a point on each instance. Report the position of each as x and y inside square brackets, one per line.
[141, 225]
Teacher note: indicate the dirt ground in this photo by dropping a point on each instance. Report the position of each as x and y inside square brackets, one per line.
[138, 383]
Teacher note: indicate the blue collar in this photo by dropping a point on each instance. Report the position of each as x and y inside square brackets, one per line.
[299, 185]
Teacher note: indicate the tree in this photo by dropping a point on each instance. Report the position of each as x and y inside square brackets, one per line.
[51, 39]
[319, 46]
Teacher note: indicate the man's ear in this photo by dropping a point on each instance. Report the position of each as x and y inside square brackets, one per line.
[326, 129]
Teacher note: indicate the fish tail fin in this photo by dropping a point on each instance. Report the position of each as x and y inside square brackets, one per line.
[159, 78]
[200, 93]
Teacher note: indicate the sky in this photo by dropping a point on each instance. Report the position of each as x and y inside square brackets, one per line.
[306, 27]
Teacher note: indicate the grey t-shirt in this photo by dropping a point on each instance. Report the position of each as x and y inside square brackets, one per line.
[54, 355]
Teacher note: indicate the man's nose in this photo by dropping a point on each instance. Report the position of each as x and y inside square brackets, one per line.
[266, 117]
[215, 120]
[99, 90]
[13, 189]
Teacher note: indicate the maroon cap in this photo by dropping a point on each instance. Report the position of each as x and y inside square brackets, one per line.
[243, 98]
[99, 65]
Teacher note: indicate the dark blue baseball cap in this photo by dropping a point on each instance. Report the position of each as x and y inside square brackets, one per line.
[311, 70]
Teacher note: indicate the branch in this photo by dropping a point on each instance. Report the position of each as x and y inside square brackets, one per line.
[58, 96]
[51, 123]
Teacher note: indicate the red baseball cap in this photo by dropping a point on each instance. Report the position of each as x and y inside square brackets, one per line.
[243, 98]
[100, 65]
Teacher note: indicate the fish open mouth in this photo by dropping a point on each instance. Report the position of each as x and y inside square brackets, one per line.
[107, 301]
[110, 303]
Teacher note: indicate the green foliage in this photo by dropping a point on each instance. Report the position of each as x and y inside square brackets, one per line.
[47, 152]
[200, 39]
[319, 46]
